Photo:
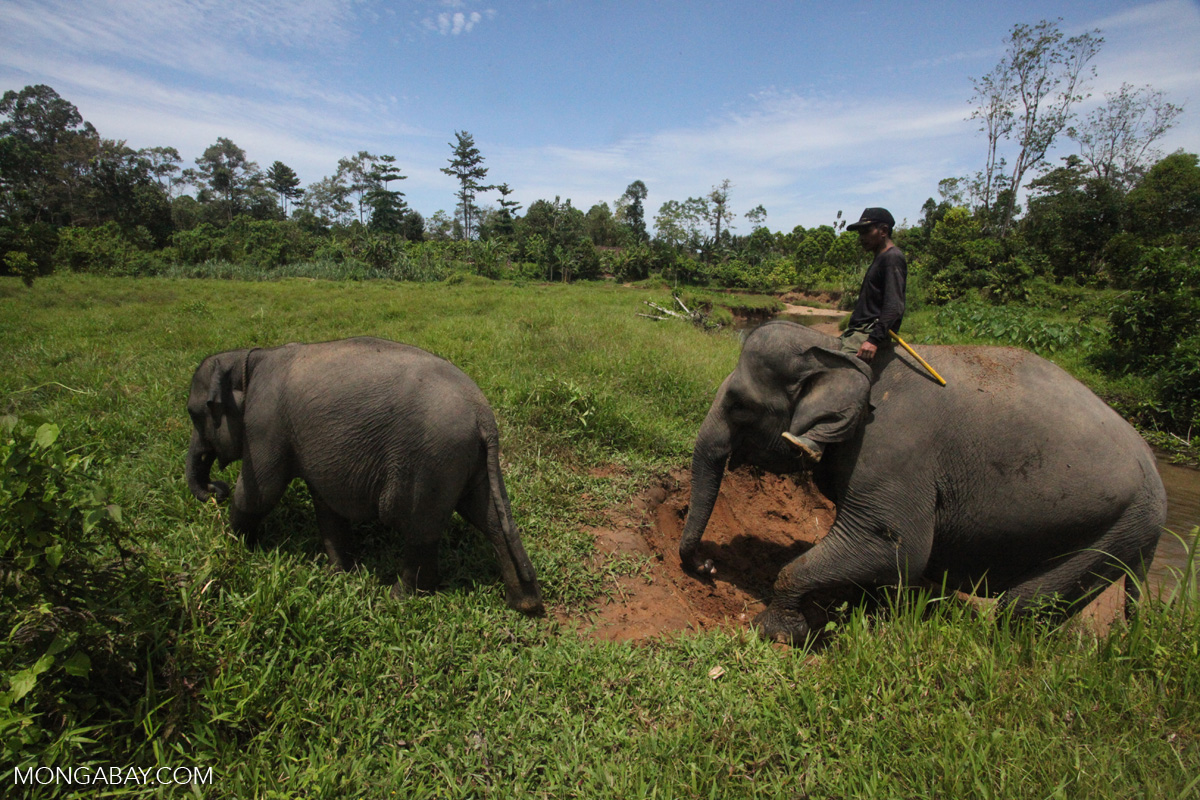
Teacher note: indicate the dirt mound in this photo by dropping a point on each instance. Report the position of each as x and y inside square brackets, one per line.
[761, 521]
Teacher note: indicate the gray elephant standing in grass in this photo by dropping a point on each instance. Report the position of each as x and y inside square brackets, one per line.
[378, 430]
[1014, 480]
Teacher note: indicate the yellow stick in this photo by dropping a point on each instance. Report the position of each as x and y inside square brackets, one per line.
[924, 363]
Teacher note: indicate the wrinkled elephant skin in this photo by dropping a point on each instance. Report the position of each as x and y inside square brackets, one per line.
[378, 431]
[1012, 481]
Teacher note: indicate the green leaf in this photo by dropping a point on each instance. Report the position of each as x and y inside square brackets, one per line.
[78, 664]
[54, 555]
[46, 435]
[22, 683]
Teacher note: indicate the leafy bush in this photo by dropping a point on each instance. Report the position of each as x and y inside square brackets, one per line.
[263, 244]
[1155, 330]
[106, 250]
[1163, 305]
[1013, 325]
[630, 263]
[27, 250]
[71, 631]
[960, 257]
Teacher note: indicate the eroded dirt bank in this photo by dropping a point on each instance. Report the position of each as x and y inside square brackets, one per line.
[760, 522]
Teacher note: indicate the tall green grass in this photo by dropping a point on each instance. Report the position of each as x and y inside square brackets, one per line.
[292, 681]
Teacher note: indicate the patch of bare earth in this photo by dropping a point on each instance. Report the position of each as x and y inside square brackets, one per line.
[761, 521]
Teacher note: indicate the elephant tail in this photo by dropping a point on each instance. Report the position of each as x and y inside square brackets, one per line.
[502, 508]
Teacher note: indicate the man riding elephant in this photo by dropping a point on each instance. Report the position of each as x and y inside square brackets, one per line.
[833, 410]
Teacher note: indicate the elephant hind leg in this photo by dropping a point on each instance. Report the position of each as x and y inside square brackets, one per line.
[1067, 584]
[420, 516]
[840, 567]
[336, 535]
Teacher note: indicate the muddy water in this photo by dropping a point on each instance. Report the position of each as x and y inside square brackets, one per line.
[1183, 514]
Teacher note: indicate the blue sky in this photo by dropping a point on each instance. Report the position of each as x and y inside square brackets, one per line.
[807, 108]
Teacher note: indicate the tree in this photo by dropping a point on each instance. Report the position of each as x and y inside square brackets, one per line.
[602, 226]
[467, 168]
[163, 164]
[1164, 208]
[387, 205]
[681, 224]
[1117, 139]
[507, 213]
[757, 217]
[1072, 215]
[44, 149]
[357, 172]
[559, 233]
[717, 210]
[228, 174]
[284, 181]
[328, 200]
[120, 186]
[631, 210]
[1028, 98]
[440, 226]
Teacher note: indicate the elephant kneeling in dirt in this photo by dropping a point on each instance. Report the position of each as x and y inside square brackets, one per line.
[378, 430]
[1013, 480]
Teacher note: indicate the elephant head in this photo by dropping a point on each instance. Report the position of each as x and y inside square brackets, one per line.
[216, 405]
[788, 377]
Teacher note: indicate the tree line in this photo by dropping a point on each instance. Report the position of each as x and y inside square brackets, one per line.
[1115, 214]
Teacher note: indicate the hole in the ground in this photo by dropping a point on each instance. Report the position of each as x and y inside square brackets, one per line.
[761, 522]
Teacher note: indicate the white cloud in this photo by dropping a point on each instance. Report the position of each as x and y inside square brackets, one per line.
[770, 152]
[454, 23]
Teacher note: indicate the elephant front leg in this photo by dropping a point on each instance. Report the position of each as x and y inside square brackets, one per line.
[252, 500]
[245, 524]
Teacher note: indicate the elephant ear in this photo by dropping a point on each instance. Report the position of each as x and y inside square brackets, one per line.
[816, 360]
[831, 358]
[223, 398]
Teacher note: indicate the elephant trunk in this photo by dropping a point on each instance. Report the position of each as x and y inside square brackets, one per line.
[708, 468]
[199, 466]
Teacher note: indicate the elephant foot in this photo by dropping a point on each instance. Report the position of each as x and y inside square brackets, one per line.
[414, 581]
[218, 491]
[779, 625]
[529, 603]
[701, 569]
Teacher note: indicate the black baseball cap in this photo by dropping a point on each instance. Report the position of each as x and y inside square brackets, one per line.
[872, 216]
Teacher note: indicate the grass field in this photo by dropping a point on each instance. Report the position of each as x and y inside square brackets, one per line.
[289, 680]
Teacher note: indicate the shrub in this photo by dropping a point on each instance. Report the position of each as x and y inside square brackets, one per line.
[1013, 325]
[106, 250]
[27, 250]
[71, 633]
[1155, 330]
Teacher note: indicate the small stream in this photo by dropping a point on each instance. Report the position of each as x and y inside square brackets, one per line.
[1183, 514]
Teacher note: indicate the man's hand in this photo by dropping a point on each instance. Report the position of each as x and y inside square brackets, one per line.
[867, 351]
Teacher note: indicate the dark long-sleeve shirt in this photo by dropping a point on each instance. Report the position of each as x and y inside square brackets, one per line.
[880, 305]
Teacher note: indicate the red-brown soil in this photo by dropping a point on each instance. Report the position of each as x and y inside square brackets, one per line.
[761, 521]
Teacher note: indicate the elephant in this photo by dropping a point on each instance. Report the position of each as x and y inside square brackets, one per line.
[1012, 481]
[378, 431]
